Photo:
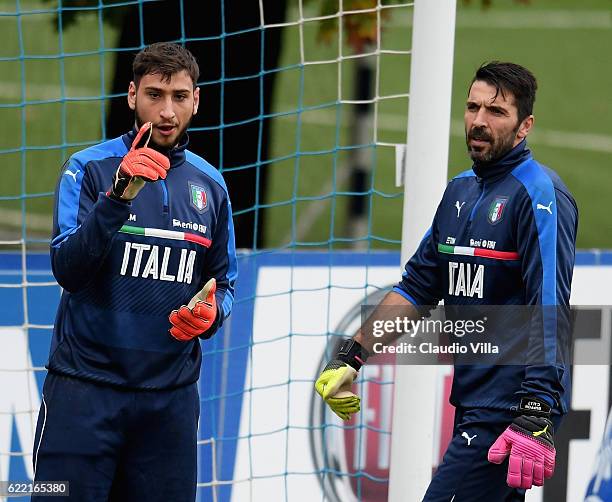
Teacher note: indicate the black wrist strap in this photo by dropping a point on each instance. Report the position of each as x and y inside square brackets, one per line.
[352, 353]
[534, 406]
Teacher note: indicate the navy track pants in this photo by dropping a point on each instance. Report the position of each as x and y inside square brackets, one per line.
[112, 444]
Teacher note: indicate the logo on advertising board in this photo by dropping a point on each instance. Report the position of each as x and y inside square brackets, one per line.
[362, 447]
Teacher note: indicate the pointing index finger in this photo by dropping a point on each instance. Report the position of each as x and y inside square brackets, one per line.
[146, 127]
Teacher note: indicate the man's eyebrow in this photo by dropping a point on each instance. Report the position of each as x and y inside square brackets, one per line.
[491, 107]
[497, 108]
[161, 91]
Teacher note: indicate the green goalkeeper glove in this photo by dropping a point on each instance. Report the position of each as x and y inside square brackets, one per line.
[336, 380]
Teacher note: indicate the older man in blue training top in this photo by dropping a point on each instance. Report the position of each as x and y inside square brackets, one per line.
[505, 415]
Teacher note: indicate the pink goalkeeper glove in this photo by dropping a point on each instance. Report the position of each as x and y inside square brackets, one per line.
[529, 442]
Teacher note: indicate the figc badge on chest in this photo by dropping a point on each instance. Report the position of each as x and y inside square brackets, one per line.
[497, 209]
[198, 197]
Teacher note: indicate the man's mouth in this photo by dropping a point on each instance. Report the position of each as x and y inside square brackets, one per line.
[166, 129]
[479, 137]
[478, 142]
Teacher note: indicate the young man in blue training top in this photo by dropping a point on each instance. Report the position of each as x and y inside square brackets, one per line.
[143, 245]
[505, 415]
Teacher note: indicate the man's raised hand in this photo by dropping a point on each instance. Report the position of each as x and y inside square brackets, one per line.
[139, 166]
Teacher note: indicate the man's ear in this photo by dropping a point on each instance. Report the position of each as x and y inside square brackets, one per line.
[131, 96]
[524, 128]
[196, 100]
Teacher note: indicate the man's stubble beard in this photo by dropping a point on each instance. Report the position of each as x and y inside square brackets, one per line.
[499, 147]
[152, 143]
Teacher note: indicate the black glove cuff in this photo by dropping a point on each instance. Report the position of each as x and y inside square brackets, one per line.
[352, 353]
[120, 184]
[537, 428]
[112, 195]
[534, 407]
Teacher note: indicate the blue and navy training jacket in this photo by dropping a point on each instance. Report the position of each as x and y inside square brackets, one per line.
[504, 234]
[125, 266]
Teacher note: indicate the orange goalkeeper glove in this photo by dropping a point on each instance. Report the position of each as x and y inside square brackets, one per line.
[138, 166]
[198, 317]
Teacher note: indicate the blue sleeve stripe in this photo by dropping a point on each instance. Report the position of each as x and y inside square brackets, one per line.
[403, 293]
[111, 148]
[69, 193]
[541, 191]
[63, 236]
[205, 167]
[228, 302]
[465, 174]
[232, 270]
[69, 189]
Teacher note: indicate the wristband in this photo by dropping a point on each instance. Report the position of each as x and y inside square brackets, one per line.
[534, 406]
[352, 353]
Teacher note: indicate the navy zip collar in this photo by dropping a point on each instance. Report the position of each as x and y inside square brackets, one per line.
[492, 171]
[176, 154]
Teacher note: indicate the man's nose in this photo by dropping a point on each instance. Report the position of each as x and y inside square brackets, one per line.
[480, 120]
[167, 111]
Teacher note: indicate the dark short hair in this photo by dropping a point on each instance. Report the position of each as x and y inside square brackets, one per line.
[512, 78]
[165, 59]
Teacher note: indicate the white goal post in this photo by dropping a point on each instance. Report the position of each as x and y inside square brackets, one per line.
[425, 176]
